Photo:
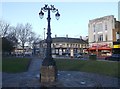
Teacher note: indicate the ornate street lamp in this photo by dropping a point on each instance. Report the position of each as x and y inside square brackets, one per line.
[48, 63]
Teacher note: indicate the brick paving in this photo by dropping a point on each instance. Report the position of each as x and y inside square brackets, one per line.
[65, 78]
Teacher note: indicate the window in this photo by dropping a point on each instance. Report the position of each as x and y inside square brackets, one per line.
[100, 37]
[53, 45]
[94, 38]
[73, 45]
[76, 45]
[63, 45]
[99, 27]
[56, 50]
[67, 45]
[57, 44]
[94, 27]
[117, 36]
[105, 26]
[106, 37]
[63, 50]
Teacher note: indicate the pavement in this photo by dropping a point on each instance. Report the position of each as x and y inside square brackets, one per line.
[30, 78]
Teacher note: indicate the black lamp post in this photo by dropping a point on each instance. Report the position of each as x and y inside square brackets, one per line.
[48, 58]
[48, 69]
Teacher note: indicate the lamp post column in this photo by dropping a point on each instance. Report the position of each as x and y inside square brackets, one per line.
[49, 39]
[48, 69]
[48, 58]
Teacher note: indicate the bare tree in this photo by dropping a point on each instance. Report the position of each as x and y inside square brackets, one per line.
[37, 39]
[7, 33]
[31, 39]
[13, 35]
[34, 38]
[24, 33]
[20, 35]
[13, 31]
[4, 27]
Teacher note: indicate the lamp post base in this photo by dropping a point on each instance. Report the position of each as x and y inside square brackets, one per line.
[48, 74]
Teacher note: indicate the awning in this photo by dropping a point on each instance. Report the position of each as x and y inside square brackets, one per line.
[92, 48]
[103, 48]
[100, 48]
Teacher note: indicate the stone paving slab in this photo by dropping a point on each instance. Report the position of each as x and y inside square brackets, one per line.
[66, 79]
[89, 78]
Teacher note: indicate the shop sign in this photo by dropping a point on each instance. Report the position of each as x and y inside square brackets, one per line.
[116, 46]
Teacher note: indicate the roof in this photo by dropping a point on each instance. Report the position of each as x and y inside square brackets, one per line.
[69, 40]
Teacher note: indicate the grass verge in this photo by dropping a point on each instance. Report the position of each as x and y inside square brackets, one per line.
[15, 65]
[100, 67]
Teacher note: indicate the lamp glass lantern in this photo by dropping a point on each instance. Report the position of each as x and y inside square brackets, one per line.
[41, 14]
[57, 15]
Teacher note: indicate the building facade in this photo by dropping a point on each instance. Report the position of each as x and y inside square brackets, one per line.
[19, 51]
[102, 33]
[64, 46]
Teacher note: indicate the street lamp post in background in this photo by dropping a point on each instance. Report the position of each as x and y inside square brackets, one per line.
[44, 33]
[48, 69]
[44, 50]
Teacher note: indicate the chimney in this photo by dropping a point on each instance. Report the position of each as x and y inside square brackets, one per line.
[80, 37]
[67, 36]
[55, 35]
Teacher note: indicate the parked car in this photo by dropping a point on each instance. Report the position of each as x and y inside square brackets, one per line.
[114, 57]
[78, 56]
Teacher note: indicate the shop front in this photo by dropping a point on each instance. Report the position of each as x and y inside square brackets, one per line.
[101, 50]
[116, 48]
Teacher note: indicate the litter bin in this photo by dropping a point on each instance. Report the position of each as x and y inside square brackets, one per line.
[92, 57]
